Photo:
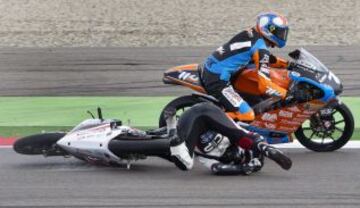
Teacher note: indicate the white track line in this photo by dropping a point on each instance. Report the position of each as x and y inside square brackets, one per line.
[296, 145]
[5, 146]
[293, 145]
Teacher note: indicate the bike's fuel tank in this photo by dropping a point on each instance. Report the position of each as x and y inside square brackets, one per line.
[246, 81]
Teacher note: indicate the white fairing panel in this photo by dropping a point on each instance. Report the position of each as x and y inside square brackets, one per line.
[92, 143]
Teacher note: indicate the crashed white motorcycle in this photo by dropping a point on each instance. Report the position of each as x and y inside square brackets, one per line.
[108, 142]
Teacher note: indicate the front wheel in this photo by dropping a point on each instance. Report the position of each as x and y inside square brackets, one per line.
[38, 144]
[328, 130]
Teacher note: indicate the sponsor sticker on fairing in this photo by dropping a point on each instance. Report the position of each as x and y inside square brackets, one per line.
[308, 112]
[285, 114]
[299, 119]
[290, 122]
[313, 106]
[272, 92]
[294, 109]
[187, 75]
[302, 116]
[257, 123]
[269, 125]
[288, 129]
[269, 117]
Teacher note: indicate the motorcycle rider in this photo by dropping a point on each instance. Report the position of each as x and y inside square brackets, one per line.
[246, 48]
[205, 117]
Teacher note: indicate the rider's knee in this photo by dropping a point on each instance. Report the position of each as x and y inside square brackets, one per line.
[246, 111]
[243, 113]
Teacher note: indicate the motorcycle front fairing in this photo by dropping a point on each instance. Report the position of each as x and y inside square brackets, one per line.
[313, 86]
[309, 67]
[89, 140]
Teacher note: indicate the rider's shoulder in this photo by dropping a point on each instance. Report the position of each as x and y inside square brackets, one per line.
[259, 44]
[249, 34]
[244, 35]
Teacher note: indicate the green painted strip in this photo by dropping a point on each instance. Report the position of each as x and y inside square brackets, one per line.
[69, 111]
[26, 115]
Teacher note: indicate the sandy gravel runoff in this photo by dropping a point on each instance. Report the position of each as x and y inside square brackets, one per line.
[128, 23]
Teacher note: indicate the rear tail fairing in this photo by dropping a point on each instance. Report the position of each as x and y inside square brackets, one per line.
[186, 75]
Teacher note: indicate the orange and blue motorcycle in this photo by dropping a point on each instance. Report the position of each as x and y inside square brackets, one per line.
[314, 113]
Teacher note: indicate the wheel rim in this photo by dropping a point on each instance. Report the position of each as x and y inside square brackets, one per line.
[325, 127]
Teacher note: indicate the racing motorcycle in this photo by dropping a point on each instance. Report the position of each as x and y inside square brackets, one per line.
[98, 141]
[313, 111]
[108, 142]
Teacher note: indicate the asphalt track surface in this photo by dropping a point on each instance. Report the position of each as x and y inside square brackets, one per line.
[316, 179]
[130, 71]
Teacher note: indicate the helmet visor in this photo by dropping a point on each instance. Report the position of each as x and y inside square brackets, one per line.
[281, 33]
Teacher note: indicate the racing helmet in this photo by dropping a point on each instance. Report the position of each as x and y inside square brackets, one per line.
[273, 27]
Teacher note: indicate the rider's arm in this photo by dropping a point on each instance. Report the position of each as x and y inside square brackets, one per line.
[277, 62]
[261, 58]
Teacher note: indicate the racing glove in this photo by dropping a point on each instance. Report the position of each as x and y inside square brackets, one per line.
[277, 62]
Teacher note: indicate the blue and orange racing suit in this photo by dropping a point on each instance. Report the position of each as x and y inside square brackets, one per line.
[244, 49]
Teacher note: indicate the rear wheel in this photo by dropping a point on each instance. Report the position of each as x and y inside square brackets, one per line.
[180, 104]
[44, 144]
[327, 130]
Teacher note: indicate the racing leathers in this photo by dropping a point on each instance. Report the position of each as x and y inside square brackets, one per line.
[204, 117]
[215, 152]
[243, 50]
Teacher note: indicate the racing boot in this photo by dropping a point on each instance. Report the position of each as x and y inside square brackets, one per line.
[275, 154]
[179, 152]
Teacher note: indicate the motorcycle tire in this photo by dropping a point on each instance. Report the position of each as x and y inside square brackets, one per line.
[39, 144]
[336, 144]
[179, 103]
